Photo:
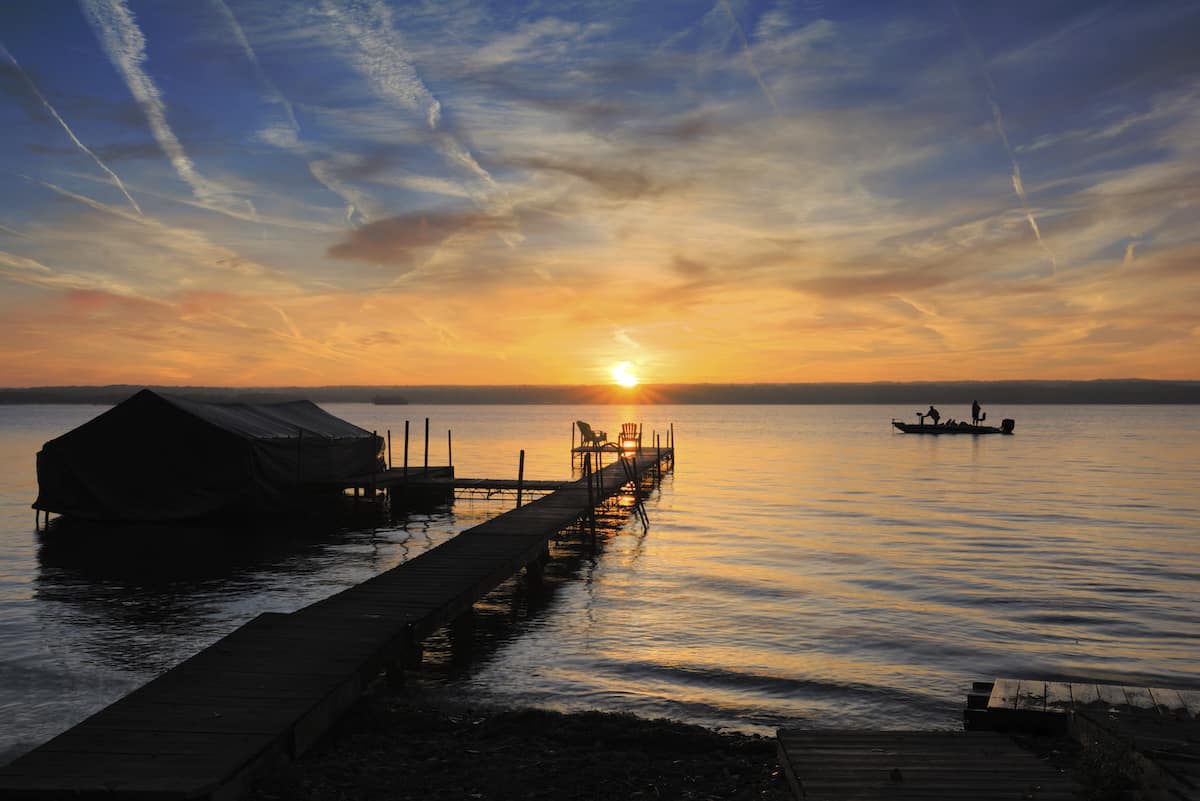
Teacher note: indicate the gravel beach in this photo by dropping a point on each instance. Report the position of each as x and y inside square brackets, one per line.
[401, 744]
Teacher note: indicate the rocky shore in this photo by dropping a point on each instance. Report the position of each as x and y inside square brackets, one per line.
[399, 745]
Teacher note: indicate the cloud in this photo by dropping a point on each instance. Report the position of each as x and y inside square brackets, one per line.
[123, 41]
[873, 284]
[622, 182]
[193, 256]
[116, 179]
[690, 268]
[23, 264]
[402, 239]
[31, 272]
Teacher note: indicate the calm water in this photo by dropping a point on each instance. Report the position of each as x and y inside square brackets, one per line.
[804, 565]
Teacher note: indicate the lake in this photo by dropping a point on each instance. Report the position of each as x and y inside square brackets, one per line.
[804, 565]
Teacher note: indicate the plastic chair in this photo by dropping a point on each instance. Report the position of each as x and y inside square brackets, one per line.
[631, 436]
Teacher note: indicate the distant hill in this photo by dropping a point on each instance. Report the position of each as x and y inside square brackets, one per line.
[1108, 391]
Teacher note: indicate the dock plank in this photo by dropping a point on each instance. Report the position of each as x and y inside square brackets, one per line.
[1191, 701]
[967, 766]
[1140, 698]
[1032, 696]
[1005, 693]
[1060, 696]
[1112, 695]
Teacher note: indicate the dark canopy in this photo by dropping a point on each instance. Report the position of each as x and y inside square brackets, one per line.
[159, 457]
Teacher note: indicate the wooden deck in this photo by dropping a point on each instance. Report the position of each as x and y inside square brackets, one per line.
[918, 765]
[269, 690]
[1159, 728]
[1033, 703]
[441, 480]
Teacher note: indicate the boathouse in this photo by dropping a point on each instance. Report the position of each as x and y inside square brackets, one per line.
[162, 457]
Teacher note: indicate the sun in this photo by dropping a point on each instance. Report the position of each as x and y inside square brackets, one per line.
[622, 376]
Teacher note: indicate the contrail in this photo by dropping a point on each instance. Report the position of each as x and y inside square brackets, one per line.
[122, 40]
[272, 89]
[22, 263]
[383, 60]
[1128, 261]
[116, 211]
[34, 273]
[998, 119]
[42, 98]
[750, 56]
[287, 136]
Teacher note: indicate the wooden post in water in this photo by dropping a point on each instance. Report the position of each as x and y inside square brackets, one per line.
[672, 441]
[370, 491]
[450, 448]
[520, 477]
[406, 450]
[426, 444]
[657, 454]
[587, 477]
[299, 455]
[389, 449]
[591, 497]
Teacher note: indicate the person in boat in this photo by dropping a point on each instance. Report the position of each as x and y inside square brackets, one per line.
[933, 414]
[975, 418]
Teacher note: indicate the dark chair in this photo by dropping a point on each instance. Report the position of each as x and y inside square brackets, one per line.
[588, 437]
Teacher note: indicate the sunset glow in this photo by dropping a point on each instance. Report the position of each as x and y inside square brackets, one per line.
[622, 375]
[260, 193]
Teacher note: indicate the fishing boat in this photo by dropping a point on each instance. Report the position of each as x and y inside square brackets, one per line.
[1006, 427]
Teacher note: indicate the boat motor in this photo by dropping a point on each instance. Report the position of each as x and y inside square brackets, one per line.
[1007, 425]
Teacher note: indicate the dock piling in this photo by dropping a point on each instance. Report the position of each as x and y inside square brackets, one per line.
[406, 450]
[426, 444]
[520, 477]
[299, 454]
[389, 433]
[450, 447]
[591, 494]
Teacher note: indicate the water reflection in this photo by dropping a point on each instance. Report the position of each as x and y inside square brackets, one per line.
[140, 597]
[520, 605]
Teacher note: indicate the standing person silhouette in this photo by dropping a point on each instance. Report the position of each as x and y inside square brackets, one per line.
[933, 414]
[974, 413]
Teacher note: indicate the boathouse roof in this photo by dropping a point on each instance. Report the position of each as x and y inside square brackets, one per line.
[162, 457]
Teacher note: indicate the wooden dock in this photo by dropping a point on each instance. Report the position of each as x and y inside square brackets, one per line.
[269, 690]
[1158, 728]
[918, 765]
[439, 480]
[1033, 704]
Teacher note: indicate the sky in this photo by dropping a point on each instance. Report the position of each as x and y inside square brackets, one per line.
[252, 193]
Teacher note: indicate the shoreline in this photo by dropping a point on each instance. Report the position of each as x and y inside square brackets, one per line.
[418, 742]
